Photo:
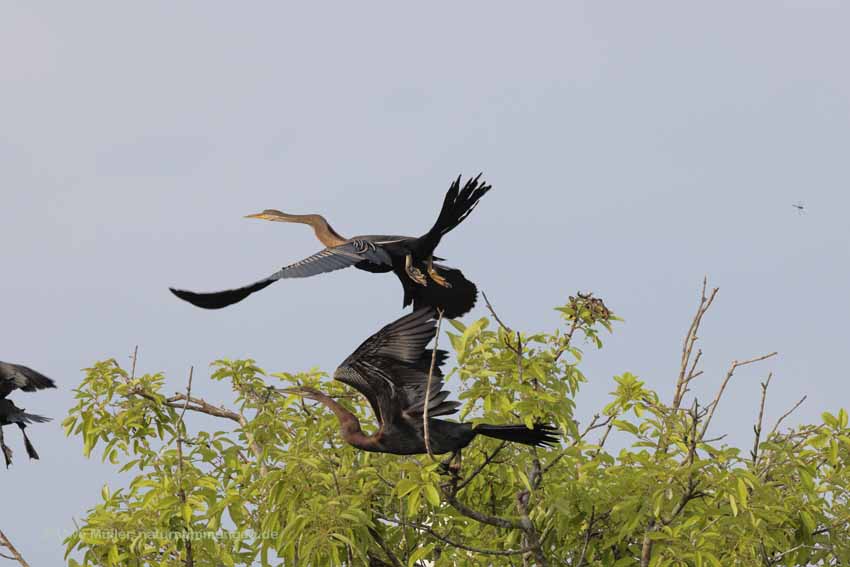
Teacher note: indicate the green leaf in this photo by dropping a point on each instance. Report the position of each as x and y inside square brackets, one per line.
[743, 493]
[808, 521]
[419, 554]
[413, 501]
[432, 495]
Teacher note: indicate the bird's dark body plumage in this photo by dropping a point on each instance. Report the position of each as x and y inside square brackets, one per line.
[17, 377]
[377, 254]
[391, 370]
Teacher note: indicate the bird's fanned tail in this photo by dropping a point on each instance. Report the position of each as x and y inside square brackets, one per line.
[454, 301]
[542, 435]
[457, 205]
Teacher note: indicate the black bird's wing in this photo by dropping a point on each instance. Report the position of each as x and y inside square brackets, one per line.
[15, 376]
[391, 369]
[328, 260]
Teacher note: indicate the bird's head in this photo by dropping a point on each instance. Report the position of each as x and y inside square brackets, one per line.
[273, 215]
[303, 391]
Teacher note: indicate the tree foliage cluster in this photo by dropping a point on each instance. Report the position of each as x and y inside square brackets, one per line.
[272, 484]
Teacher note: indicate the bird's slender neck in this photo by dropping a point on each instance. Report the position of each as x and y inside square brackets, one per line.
[324, 231]
[349, 425]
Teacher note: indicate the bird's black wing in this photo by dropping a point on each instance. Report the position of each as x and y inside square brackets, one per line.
[391, 368]
[15, 376]
[328, 260]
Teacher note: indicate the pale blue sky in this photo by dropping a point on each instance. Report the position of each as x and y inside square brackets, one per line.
[632, 147]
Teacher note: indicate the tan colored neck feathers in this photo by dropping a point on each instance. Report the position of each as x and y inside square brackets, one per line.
[349, 425]
[324, 231]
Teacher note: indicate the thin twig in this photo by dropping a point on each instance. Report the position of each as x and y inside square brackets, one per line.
[181, 428]
[757, 428]
[428, 530]
[786, 414]
[588, 533]
[495, 316]
[523, 498]
[481, 467]
[135, 357]
[425, 427]
[590, 427]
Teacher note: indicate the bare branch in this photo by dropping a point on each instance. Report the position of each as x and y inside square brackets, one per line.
[691, 338]
[531, 536]
[135, 358]
[16, 556]
[194, 404]
[735, 364]
[646, 550]
[692, 373]
[450, 492]
[383, 545]
[201, 406]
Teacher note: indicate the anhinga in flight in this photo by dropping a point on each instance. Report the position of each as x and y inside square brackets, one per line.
[408, 257]
[391, 369]
[13, 377]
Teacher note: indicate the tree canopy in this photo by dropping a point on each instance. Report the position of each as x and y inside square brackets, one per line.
[273, 484]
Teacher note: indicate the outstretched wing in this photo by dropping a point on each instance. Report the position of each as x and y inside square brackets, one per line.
[391, 369]
[15, 376]
[328, 260]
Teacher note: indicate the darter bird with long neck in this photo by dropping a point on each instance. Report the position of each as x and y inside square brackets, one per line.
[411, 259]
[14, 377]
[391, 370]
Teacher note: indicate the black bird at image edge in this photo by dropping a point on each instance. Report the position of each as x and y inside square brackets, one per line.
[16, 377]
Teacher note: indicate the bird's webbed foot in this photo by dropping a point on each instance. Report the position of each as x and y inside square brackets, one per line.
[435, 275]
[452, 464]
[413, 272]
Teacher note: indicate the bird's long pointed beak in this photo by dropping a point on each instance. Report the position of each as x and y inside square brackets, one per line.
[256, 216]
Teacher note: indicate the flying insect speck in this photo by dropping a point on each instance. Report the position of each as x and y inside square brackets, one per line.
[800, 206]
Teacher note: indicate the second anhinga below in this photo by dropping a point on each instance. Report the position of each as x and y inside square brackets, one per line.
[391, 369]
[17, 377]
[425, 283]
